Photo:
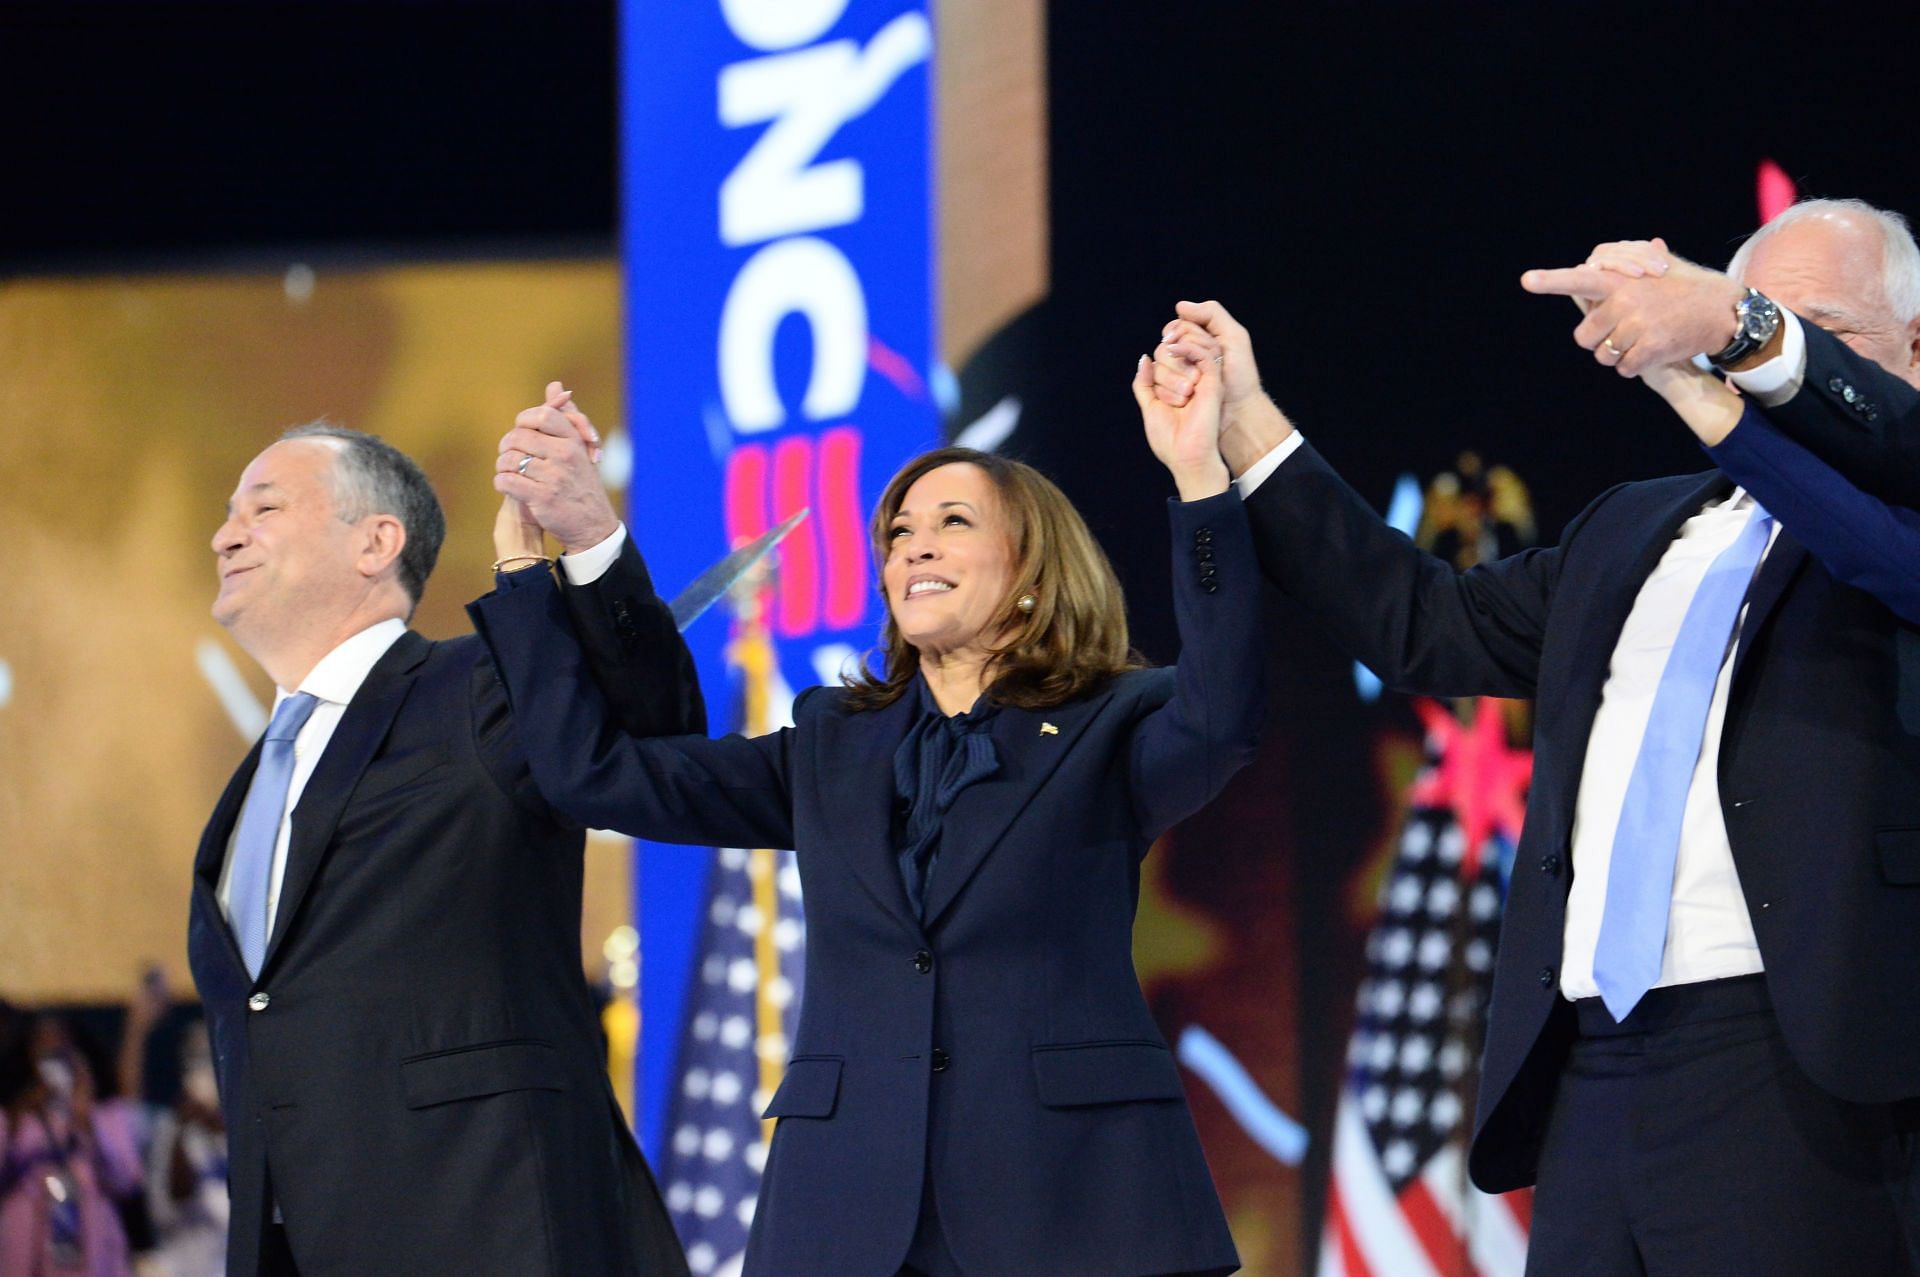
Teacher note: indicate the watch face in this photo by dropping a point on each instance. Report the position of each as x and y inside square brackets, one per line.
[1759, 316]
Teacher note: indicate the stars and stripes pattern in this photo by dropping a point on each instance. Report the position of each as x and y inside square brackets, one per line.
[716, 1143]
[1400, 1204]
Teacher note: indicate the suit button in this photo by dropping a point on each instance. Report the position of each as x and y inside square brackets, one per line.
[1546, 977]
[923, 962]
[940, 1060]
[1872, 413]
[1204, 554]
[1210, 585]
[1836, 385]
[1203, 537]
[1550, 865]
[258, 1002]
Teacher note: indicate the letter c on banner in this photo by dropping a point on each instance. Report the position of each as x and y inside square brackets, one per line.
[810, 277]
[781, 24]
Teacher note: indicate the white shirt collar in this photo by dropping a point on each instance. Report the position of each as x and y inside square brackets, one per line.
[340, 672]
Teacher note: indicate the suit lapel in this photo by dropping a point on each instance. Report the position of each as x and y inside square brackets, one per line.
[211, 857]
[860, 748]
[983, 811]
[362, 730]
[1783, 562]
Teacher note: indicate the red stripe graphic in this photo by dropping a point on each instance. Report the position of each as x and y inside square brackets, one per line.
[798, 609]
[842, 528]
[745, 500]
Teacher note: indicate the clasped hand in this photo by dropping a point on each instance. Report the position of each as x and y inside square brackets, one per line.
[546, 472]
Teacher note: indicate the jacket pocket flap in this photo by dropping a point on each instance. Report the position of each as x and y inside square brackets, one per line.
[1899, 851]
[1105, 1073]
[474, 1071]
[810, 1089]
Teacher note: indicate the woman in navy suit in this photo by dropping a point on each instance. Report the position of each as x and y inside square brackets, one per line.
[977, 1086]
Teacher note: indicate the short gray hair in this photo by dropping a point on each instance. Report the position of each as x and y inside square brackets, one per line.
[1899, 261]
[371, 476]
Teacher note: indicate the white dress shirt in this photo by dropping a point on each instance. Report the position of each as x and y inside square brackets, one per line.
[1709, 933]
[333, 681]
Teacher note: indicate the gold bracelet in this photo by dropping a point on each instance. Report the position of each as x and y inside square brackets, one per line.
[528, 559]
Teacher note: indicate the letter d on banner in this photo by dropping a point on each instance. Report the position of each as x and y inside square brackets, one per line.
[776, 197]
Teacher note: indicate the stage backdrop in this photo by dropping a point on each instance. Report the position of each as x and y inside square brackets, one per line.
[132, 404]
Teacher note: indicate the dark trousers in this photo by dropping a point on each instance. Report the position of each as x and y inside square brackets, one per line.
[1685, 1142]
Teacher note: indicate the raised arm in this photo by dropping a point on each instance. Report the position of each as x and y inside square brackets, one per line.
[545, 473]
[1408, 616]
[733, 792]
[1862, 540]
[1184, 751]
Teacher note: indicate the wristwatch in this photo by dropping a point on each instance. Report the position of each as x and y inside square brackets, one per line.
[1757, 319]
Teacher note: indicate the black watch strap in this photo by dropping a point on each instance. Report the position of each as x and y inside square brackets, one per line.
[1757, 318]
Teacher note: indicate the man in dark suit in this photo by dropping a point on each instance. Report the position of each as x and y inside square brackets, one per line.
[385, 918]
[1704, 1041]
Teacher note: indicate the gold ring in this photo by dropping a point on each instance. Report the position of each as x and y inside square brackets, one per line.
[1617, 352]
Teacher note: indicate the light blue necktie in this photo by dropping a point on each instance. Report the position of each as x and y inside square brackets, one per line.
[260, 828]
[1633, 928]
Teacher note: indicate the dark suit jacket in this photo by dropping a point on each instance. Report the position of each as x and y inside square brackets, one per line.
[1819, 766]
[417, 1076]
[1004, 1042]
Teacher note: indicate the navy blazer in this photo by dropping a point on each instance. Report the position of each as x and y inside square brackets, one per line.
[417, 1075]
[1819, 764]
[1864, 541]
[1003, 1043]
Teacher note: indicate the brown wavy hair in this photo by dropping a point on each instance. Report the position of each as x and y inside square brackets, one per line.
[1073, 641]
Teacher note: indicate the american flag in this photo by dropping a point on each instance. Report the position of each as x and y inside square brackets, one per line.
[1400, 1204]
[741, 1010]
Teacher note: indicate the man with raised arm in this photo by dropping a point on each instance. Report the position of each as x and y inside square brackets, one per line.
[386, 915]
[1704, 1040]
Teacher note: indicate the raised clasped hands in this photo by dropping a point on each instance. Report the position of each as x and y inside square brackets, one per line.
[545, 470]
[1184, 430]
[1204, 342]
[1643, 306]
[1646, 312]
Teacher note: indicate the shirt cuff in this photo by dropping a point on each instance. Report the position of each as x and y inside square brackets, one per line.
[590, 564]
[1778, 380]
[1257, 472]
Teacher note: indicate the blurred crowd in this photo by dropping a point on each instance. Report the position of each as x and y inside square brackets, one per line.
[112, 1153]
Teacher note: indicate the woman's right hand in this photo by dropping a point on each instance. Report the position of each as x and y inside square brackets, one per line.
[1186, 438]
[517, 535]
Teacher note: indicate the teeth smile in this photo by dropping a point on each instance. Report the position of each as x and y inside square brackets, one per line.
[927, 587]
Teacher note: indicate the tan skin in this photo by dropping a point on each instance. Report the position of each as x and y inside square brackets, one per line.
[949, 563]
[295, 579]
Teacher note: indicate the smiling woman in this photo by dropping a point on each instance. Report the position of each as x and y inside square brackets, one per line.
[987, 566]
[977, 1084]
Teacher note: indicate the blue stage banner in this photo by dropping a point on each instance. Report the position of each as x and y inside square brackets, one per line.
[778, 243]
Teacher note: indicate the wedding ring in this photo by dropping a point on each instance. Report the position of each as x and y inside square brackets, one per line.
[521, 469]
[1617, 352]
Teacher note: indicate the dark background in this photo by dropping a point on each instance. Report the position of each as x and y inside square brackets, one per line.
[1362, 184]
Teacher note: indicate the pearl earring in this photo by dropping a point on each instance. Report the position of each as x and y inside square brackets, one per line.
[1026, 603]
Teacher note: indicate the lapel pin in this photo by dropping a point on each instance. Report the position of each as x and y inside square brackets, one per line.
[1048, 729]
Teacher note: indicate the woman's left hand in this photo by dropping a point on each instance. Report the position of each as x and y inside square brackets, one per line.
[1186, 439]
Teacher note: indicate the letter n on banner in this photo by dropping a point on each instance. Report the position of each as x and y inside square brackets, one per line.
[776, 197]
